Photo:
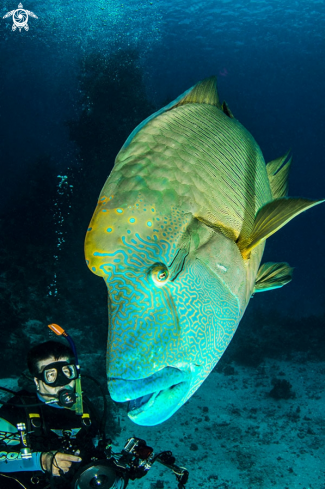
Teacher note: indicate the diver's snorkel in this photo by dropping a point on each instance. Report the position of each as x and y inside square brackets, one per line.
[66, 397]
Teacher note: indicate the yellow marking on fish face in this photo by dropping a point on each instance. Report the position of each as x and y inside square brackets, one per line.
[114, 228]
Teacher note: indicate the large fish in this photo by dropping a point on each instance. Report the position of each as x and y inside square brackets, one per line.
[178, 235]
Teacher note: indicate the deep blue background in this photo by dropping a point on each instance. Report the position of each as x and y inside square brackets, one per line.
[270, 59]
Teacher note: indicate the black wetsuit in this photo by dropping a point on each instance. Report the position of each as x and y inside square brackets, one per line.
[58, 429]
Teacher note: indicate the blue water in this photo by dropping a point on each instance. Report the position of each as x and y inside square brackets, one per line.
[269, 58]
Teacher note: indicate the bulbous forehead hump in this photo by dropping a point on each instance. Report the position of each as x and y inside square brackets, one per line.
[139, 227]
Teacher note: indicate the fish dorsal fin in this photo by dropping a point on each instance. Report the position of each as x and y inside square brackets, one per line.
[278, 172]
[204, 92]
[272, 217]
[272, 276]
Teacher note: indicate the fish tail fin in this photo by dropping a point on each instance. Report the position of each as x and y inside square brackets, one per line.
[272, 217]
[278, 173]
[272, 276]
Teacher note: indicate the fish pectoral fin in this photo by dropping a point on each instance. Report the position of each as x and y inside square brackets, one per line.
[272, 276]
[278, 173]
[272, 217]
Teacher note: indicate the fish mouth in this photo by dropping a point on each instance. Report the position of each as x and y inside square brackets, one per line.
[152, 399]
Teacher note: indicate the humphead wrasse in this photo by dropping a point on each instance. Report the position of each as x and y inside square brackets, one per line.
[178, 236]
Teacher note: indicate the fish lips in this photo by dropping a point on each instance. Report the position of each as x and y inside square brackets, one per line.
[152, 399]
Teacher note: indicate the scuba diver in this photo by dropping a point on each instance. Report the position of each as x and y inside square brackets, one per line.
[58, 436]
[54, 439]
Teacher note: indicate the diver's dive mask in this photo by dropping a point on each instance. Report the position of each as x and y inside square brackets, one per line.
[69, 371]
[58, 373]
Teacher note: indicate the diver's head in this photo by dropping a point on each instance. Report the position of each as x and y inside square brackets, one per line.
[52, 365]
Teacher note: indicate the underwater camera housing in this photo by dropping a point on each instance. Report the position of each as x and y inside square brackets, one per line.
[132, 463]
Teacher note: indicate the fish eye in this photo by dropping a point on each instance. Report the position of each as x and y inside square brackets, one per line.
[158, 274]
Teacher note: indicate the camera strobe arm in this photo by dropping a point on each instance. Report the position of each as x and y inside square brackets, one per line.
[167, 459]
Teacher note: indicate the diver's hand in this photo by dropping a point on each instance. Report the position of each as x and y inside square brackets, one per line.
[57, 462]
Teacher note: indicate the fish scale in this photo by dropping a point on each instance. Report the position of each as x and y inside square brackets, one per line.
[205, 156]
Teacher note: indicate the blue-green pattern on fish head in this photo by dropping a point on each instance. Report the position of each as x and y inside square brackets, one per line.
[171, 315]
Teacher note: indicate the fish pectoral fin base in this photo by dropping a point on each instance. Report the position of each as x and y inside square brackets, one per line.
[219, 227]
[272, 276]
[272, 217]
[278, 173]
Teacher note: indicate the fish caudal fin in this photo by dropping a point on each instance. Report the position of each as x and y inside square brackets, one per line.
[272, 276]
[278, 172]
[272, 217]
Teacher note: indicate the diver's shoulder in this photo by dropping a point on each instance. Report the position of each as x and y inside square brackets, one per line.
[13, 409]
[20, 397]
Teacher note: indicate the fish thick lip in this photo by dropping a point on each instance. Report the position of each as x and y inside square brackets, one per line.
[122, 390]
[158, 407]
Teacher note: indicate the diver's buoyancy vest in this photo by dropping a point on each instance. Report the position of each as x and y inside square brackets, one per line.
[49, 428]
